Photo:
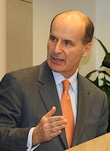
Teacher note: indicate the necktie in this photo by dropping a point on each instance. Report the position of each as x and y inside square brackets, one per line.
[67, 112]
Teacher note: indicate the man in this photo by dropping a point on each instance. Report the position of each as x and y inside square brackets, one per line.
[30, 110]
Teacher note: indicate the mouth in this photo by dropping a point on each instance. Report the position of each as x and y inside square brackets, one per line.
[59, 60]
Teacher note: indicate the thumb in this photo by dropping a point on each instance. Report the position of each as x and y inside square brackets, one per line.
[51, 112]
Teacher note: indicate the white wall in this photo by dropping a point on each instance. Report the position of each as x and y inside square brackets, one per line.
[2, 38]
[43, 13]
[102, 28]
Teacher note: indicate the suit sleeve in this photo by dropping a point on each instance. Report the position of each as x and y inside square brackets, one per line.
[103, 123]
[12, 136]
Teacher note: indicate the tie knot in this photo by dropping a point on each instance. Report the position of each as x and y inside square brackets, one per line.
[66, 84]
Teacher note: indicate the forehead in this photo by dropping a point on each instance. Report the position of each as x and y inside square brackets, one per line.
[70, 26]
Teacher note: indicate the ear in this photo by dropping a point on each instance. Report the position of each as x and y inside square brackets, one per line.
[87, 49]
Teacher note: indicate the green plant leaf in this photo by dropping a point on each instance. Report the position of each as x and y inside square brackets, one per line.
[104, 48]
[104, 72]
[90, 73]
[107, 54]
[96, 81]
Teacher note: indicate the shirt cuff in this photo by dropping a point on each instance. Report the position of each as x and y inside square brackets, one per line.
[29, 141]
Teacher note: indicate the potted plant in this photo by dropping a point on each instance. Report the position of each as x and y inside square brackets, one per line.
[103, 81]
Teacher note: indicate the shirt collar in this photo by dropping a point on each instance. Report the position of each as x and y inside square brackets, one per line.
[73, 79]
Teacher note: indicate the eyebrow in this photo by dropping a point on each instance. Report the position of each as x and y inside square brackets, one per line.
[66, 40]
[52, 36]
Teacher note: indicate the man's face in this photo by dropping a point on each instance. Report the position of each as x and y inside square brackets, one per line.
[65, 48]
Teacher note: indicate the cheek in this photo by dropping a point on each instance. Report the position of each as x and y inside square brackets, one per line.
[74, 55]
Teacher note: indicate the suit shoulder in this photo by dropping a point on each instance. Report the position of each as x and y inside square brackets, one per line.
[29, 71]
[88, 84]
[26, 71]
[26, 74]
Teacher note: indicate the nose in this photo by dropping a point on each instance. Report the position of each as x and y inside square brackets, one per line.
[58, 47]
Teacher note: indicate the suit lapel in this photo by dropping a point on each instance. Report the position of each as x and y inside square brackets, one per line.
[83, 108]
[48, 92]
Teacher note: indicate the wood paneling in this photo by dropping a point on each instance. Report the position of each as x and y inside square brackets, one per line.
[19, 34]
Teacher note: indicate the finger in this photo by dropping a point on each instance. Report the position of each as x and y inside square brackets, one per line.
[57, 120]
[58, 125]
[51, 112]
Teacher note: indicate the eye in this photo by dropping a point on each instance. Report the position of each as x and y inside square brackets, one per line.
[68, 42]
[53, 38]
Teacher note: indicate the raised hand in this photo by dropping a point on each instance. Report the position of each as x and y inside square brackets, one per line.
[48, 128]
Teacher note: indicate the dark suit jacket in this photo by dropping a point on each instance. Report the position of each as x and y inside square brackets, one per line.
[26, 95]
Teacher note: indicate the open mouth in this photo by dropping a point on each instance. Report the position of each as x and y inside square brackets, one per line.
[57, 59]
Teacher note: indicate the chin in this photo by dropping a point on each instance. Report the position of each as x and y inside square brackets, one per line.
[55, 67]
